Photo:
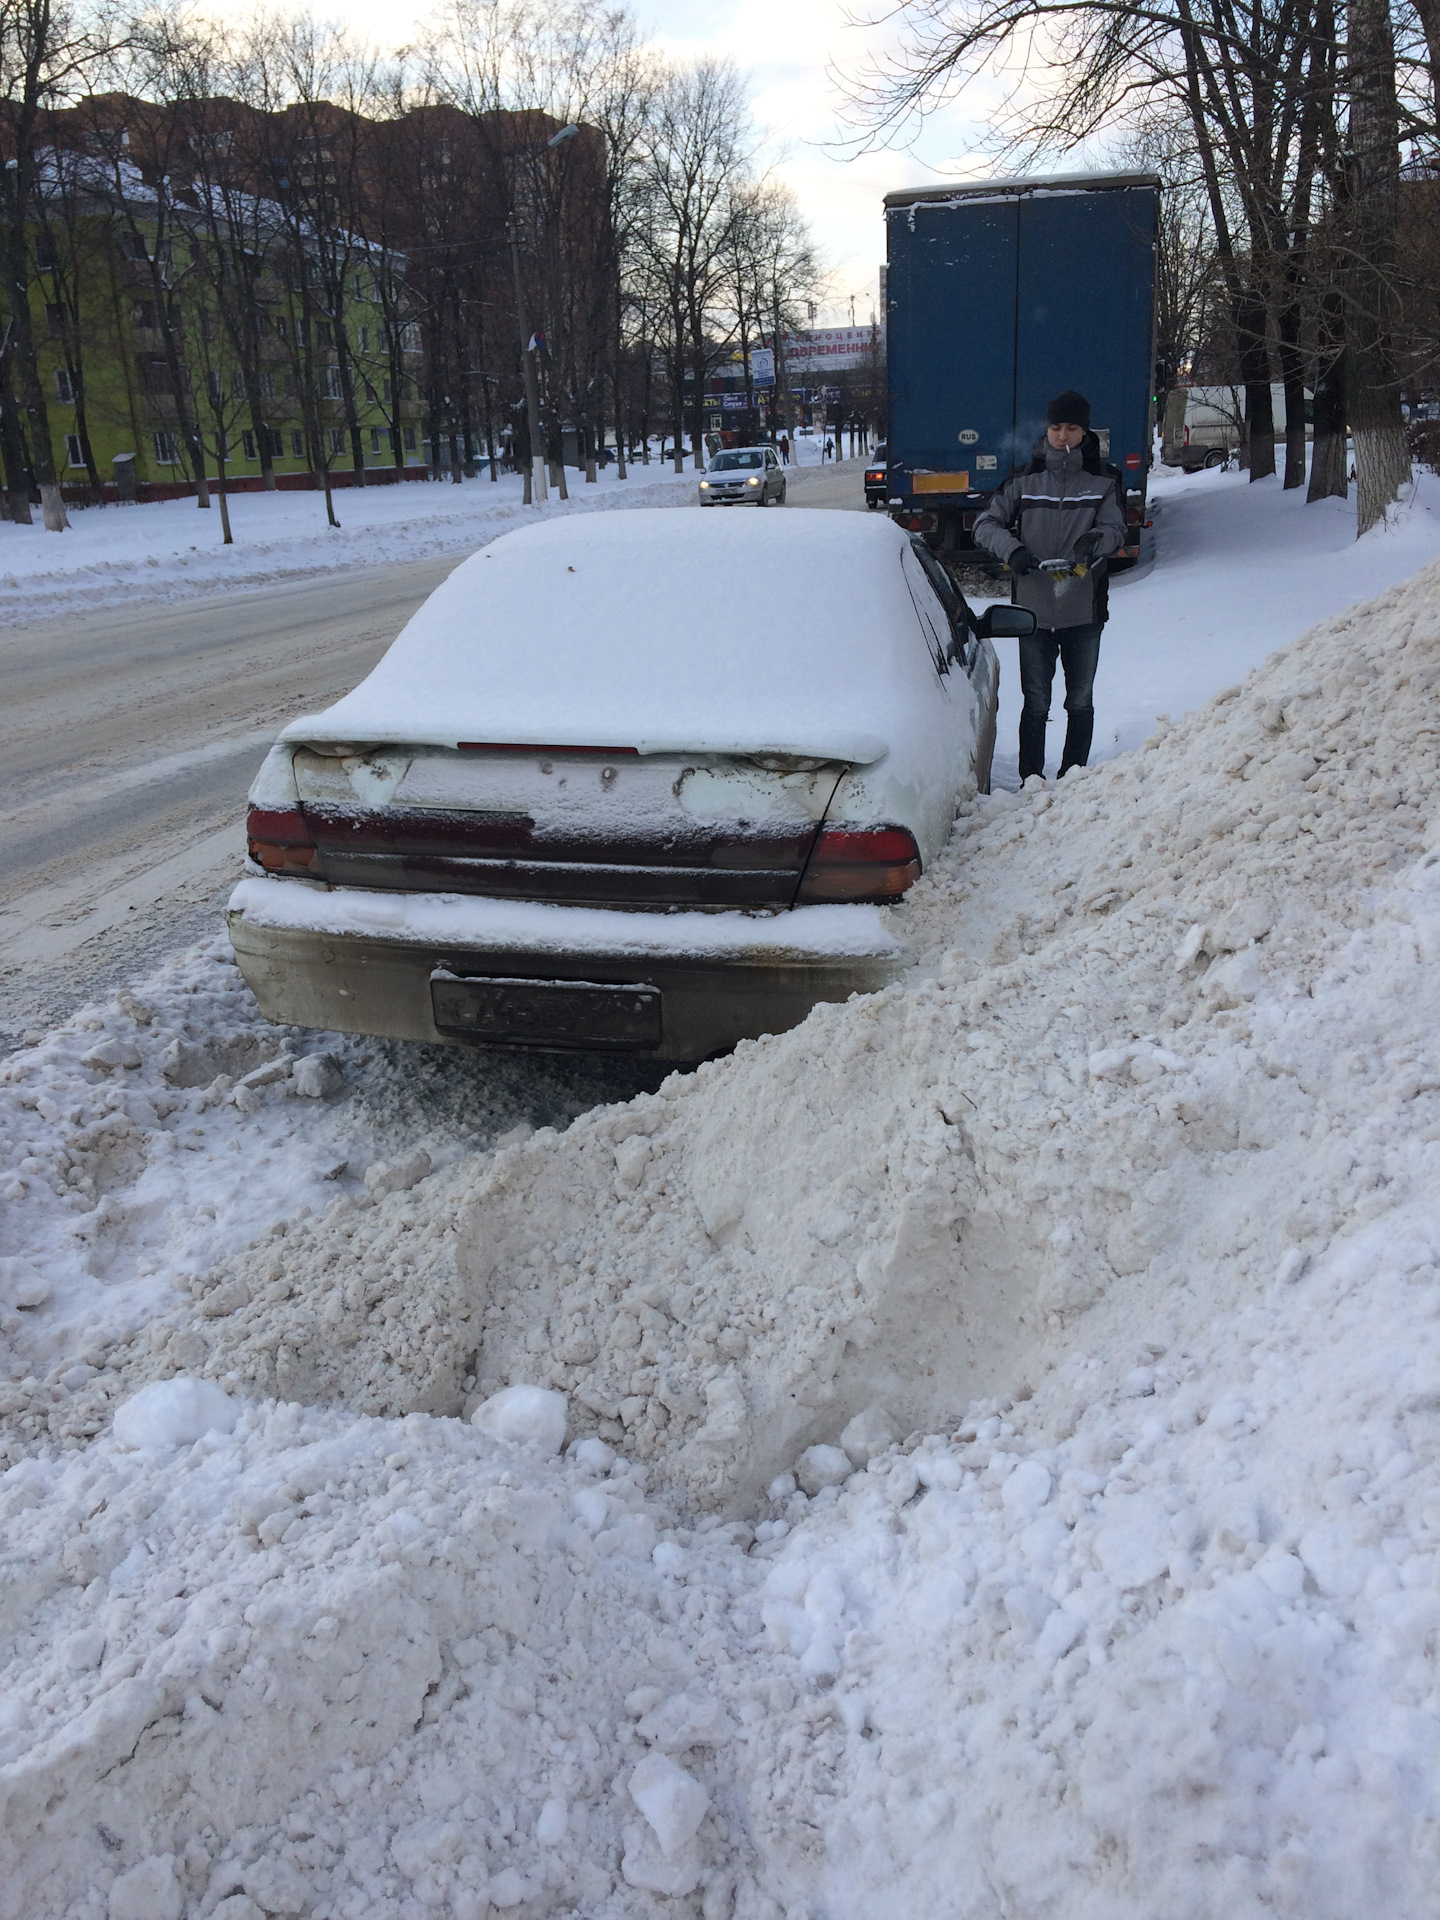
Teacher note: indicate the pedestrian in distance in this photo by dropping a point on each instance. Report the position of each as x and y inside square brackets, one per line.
[829, 450]
[785, 449]
[1055, 524]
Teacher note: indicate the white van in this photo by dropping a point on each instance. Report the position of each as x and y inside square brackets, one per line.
[1203, 425]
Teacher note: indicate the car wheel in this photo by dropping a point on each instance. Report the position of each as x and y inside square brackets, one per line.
[1215, 458]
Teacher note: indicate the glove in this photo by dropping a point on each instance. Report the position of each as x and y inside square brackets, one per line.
[1022, 561]
[1090, 546]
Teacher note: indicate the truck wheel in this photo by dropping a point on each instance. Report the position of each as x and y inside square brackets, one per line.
[1215, 457]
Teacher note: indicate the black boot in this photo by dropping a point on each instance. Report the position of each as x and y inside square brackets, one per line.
[1032, 745]
[1078, 734]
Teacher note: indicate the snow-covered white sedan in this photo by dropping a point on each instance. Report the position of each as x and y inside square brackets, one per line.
[635, 782]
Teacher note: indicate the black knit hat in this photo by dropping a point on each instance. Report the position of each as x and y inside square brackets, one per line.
[1068, 409]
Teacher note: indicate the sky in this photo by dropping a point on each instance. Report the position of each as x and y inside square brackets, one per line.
[787, 51]
[794, 54]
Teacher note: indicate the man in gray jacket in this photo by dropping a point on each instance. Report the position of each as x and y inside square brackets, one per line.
[1065, 508]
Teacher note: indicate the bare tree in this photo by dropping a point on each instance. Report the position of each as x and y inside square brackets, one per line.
[1382, 454]
[1267, 98]
[696, 152]
[49, 52]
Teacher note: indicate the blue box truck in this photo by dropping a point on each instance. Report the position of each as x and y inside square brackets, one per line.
[998, 296]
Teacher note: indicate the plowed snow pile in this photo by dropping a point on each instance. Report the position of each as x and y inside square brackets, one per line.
[1087, 1282]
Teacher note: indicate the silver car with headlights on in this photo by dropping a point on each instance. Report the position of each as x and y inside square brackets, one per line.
[744, 476]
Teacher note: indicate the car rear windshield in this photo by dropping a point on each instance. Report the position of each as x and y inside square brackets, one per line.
[728, 462]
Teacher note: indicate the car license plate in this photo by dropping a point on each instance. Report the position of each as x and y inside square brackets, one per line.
[547, 1013]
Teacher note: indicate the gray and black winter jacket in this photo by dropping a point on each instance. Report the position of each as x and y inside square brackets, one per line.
[1049, 507]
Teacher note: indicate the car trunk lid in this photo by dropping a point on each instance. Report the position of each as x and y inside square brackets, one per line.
[583, 826]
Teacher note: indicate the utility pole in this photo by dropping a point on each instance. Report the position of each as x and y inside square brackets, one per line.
[532, 390]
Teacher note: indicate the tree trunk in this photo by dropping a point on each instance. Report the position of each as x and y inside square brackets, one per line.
[1292, 372]
[1382, 455]
[620, 421]
[1329, 459]
[1429, 14]
[18, 477]
[227, 538]
[1255, 372]
[32, 392]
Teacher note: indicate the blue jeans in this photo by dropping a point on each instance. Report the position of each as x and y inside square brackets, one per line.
[1078, 651]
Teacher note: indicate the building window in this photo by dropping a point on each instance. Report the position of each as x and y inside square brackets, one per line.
[410, 439]
[364, 339]
[206, 324]
[73, 452]
[410, 337]
[324, 334]
[55, 320]
[45, 256]
[267, 385]
[247, 440]
[330, 382]
[374, 439]
[212, 385]
[65, 387]
[337, 441]
[132, 247]
[297, 444]
[164, 449]
[142, 313]
[275, 440]
[155, 376]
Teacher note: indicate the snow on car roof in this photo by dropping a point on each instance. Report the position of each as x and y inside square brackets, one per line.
[663, 631]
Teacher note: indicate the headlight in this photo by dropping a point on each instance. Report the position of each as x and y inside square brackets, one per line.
[752, 482]
[704, 486]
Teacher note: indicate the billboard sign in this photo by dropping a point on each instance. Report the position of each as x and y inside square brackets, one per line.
[762, 366]
[831, 349]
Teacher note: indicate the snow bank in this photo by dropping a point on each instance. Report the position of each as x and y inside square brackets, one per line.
[144, 1141]
[1121, 1210]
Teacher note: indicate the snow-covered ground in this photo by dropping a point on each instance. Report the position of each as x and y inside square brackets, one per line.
[171, 550]
[1001, 1415]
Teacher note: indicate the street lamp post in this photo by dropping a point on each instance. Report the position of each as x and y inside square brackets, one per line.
[532, 390]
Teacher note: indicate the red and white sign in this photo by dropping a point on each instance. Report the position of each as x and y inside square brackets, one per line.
[831, 349]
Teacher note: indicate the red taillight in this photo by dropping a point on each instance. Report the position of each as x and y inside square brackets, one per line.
[872, 864]
[280, 840]
[875, 476]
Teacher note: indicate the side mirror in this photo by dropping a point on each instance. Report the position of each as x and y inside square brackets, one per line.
[1005, 623]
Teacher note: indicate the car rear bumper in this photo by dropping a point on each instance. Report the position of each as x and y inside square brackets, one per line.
[343, 972]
